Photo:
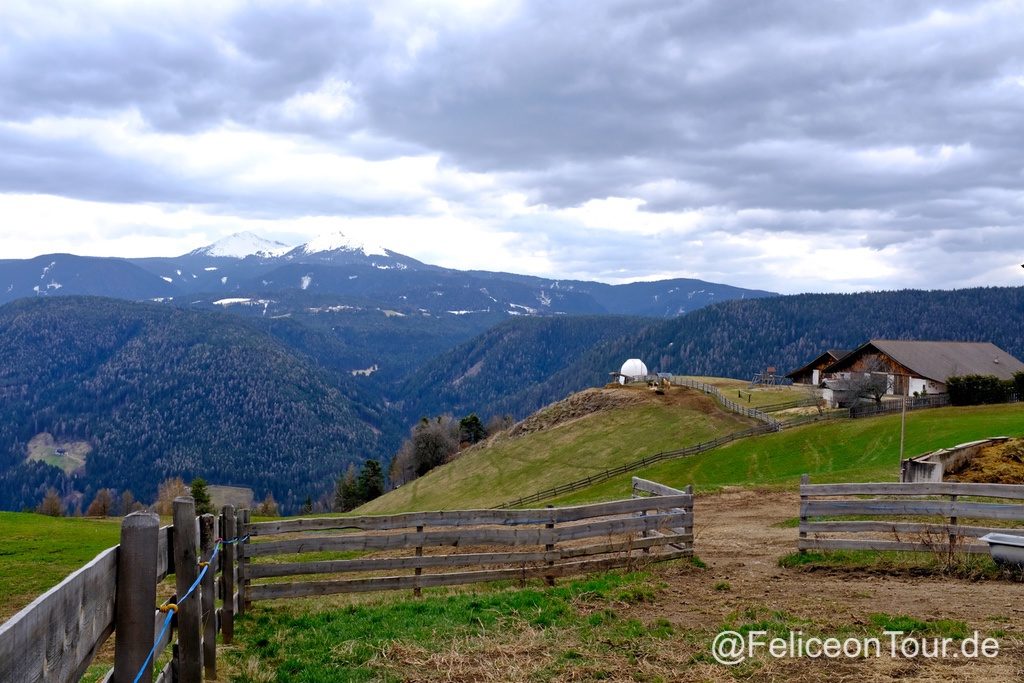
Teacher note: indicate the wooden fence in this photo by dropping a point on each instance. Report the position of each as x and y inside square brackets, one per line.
[56, 638]
[753, 413]
[941, 517]
[498, 544]
[890, 407]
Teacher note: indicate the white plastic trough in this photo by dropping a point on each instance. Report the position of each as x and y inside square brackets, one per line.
[1006, 548]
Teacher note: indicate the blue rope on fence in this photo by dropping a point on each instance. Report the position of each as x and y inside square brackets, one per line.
[172, 608]
[167, 624]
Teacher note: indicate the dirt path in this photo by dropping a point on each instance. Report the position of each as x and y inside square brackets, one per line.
[739, 538]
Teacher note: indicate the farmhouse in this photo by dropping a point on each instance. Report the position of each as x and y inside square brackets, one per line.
[812, 372]
[925, 365]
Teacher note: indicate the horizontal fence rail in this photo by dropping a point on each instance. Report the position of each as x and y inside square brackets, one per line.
[889, 407]
[808, 402]
[502, 544]
[56, 637]
[937, 513]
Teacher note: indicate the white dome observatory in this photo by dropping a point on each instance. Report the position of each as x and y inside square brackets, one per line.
[633, 369]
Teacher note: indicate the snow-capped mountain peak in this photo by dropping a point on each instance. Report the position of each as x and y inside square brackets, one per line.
[243, 244]
[338, 241]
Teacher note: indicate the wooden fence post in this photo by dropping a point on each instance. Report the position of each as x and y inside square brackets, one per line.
[136, 596]
[805, 479]
[688, 529]
[207, 543]
[952, 528]
[190, 651]
[244, 603]
[645, 534]
[417, 591]
[227, 576]
[549, 547]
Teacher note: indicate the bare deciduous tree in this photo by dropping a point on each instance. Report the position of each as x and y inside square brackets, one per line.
[167, 492]
[871, 381]
[102, 505]
[52, 504]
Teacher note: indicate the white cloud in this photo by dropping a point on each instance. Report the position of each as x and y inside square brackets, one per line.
[792, 146]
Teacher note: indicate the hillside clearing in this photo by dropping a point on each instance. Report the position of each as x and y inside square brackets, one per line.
[68, 456]
[565, 442]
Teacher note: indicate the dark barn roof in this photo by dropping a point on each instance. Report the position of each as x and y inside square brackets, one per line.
[939, 360]
[830, 356]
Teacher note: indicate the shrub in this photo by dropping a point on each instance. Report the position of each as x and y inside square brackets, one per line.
[977, 389]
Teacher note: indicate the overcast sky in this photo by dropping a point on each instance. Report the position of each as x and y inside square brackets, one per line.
[791, 146]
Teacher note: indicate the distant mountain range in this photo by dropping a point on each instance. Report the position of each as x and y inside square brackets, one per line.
[246, 266]
[253, 363]
[184, 363]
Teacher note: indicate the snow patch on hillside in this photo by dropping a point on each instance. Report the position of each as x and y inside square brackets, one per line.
[365, 372]
[338, 241]
[522, 310]
[243, 244]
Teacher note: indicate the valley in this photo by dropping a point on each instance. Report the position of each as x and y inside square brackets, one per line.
[227, 367]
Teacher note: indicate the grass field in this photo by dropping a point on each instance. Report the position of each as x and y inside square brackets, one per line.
[842, 450]
[572, 632]
[37, 552]
[485, 477]
[739, 391]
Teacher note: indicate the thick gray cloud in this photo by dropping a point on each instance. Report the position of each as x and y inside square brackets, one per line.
[892, 129]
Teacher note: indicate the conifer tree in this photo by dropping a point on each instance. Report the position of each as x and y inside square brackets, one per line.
[201, 496]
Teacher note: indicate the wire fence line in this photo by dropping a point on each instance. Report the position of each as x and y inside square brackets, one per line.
[770, 425]
[607, 474]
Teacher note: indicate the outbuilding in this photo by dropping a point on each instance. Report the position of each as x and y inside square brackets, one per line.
[633, 370]
[812, 373]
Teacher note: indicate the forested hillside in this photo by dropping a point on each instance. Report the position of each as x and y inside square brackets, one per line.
[272, 402]
[731, 339]
[739, 338]
[504, 370]
[158, 392]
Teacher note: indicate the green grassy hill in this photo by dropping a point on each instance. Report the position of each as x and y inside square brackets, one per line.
[633, 423]
[842, 450]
